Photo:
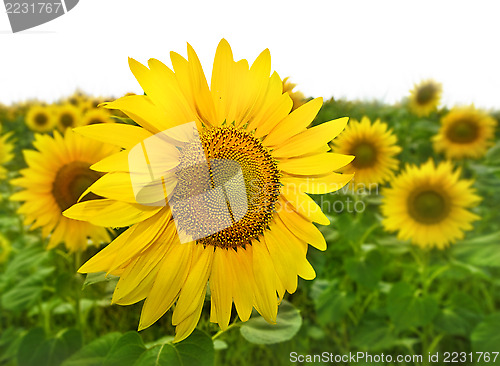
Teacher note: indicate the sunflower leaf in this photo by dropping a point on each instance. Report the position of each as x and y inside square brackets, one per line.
[257, 330]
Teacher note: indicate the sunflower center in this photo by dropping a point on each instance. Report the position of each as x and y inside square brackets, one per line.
[236, 182]
[428, 207]
[365, 155]
[425, 94]
[67, 120]
[71, 181]
[41, 119]
[463, 131]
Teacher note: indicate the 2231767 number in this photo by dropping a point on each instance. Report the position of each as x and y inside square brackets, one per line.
[471, 357]
[33, 8]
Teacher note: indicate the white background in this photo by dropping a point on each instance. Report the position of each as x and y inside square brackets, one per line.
[354, 49]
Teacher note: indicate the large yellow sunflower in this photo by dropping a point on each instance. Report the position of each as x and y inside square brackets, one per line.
[374, 147]
[429, 205]
[57, 175]
[41, 118]
[425, 97]
[465, 133]
[237, 183]
[6, 155]
[68, 116]
[297, 96]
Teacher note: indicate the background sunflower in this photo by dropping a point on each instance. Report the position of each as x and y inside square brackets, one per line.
[425, 97]
[465, 133]
[56, 177]
[429, 205]
[374, 148]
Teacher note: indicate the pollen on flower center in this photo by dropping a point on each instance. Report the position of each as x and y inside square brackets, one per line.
[462, 131]
[71, 181]
[428, 207]
[234, 159]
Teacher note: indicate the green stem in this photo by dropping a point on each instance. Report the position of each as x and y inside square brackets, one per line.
[220, 332]
[78, 312]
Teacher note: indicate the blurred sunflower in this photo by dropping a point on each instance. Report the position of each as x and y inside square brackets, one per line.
[40, 118]
[5, 248]
[297, 97]
[429, 205]
[244, 117]
[67, 116]
[374, 147]
[95, 116]
[6, 154]
[465, 133]
[57, 175]
[78, 99]
[425, 97]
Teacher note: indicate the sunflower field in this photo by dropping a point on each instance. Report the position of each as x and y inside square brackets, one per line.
[284, 229]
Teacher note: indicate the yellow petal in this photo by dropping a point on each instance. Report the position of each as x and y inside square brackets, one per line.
[221, 287]
[170, 279]
[302, 228]
[325, 184]
[311, 139]
[304, 205]
[294, 123]
[117, 134]
[319, 164]
[195, 286]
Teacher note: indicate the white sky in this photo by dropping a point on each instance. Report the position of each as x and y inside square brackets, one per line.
[354, 49]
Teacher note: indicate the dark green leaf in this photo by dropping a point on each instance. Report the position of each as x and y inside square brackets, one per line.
[407, 308]
[195, 350]
[486, 336]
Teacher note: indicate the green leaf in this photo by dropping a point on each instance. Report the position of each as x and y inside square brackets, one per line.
[366, 271]
[486, 337]
[331, 304]
[374, 335]
[94, 353]
[29, 343]
[27, 292]
[259, 331]
[97, 277]
[451, 322]
[407, 308]
[37, 351]
[126, 350]
[195, 350]
[480, 251]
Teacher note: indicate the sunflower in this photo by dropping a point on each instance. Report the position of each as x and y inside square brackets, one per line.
[68, 116]
[235, 165]
[40, 118]
[429, 205]
[6, 154]
[297, 97]
[374, 147]
[425, 97]
[94, 116]
[465, 133]
[57, 175]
